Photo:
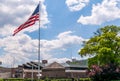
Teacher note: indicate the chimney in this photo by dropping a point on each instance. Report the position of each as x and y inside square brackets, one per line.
[44, 61]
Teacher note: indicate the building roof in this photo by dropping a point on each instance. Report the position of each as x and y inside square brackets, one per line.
[76, 64]
[54, 65]
[29, 65]
[73, 65]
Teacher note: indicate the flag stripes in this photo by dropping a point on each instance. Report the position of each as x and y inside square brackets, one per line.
[31, 21]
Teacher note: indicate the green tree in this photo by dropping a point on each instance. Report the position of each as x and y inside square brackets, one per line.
[104, 47]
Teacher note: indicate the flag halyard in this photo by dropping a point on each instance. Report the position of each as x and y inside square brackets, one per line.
[31, 21]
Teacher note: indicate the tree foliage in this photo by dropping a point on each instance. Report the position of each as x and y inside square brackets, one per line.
[104, 46]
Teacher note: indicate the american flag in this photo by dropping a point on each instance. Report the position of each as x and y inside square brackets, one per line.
[31, 21]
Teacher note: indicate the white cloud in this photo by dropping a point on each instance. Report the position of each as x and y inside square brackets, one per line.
[59, 60]
[62, 43]
[76, 5]
[22, 48]
[62, 40]
[17, 12]
[118, 34]
[108, 10]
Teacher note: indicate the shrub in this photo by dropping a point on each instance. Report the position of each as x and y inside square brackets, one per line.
[104, 73]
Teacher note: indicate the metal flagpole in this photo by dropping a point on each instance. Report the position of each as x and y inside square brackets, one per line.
[32, 73]
[39, 43]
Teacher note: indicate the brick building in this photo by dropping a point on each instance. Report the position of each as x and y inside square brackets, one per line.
[5, 72]
[53, 70]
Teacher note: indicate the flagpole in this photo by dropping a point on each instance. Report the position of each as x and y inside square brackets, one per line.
[39, 43]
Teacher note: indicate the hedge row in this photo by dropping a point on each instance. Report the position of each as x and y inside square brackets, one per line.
[81, 79]
[13, 79]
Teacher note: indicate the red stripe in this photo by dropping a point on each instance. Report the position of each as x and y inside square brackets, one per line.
[22, 27]
[36, 15]
[31, 21]
[28, 22]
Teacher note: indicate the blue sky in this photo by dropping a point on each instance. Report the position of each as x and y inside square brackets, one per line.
[65, 24]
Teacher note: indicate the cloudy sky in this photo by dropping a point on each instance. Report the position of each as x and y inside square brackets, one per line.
[64, 25]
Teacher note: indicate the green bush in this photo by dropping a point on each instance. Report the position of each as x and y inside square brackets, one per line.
[46, 79]
[18, 79]
[1, 79]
